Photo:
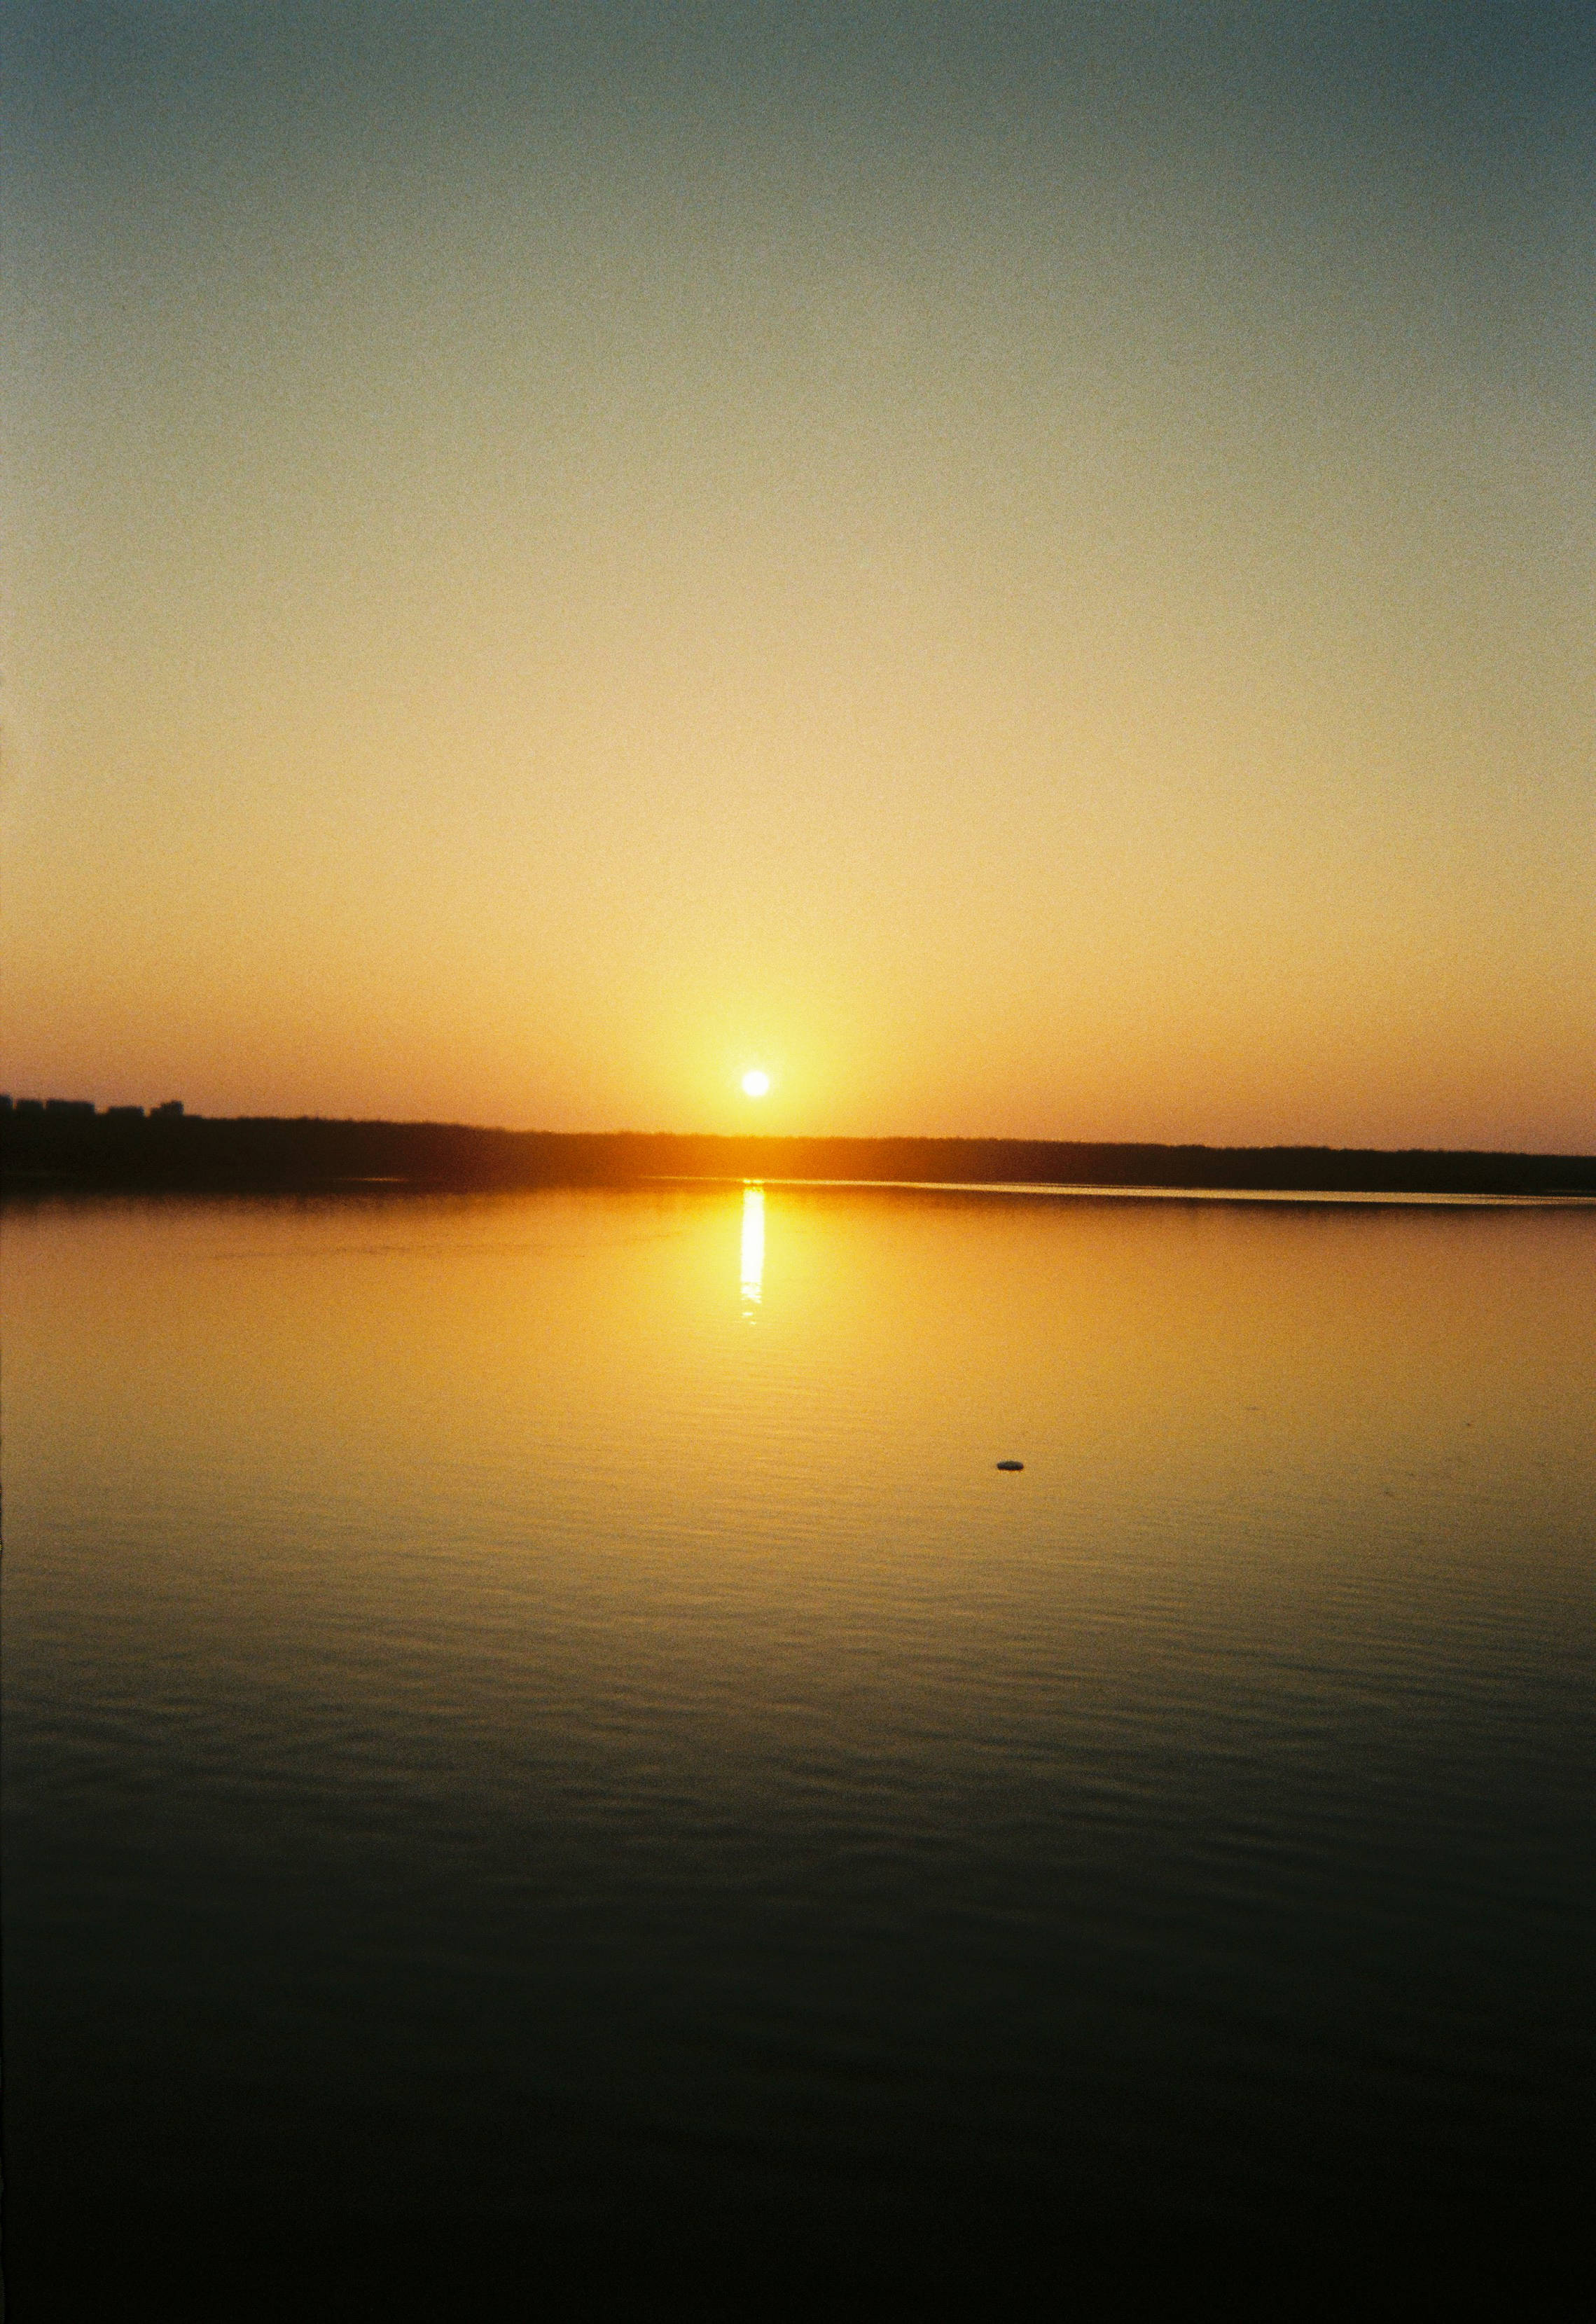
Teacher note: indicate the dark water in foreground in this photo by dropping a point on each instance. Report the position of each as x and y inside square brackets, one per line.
[548, 1773]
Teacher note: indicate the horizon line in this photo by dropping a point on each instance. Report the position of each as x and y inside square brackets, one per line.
[63, 1110]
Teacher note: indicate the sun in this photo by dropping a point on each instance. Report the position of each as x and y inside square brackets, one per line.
[755, 1083]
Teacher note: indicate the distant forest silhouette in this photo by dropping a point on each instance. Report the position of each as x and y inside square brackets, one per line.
[66, 1143]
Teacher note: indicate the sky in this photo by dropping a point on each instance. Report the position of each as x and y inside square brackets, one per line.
[1027, 570]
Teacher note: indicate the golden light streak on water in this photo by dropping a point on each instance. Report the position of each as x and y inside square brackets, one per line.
[754, 1247]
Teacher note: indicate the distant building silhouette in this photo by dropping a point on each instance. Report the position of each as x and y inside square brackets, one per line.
[78, 1106]
[170, 1110]
[125, 1113]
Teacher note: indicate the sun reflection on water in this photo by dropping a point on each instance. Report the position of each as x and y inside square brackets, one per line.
[754, 1247]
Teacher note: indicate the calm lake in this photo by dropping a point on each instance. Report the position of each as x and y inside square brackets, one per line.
[548, 1771]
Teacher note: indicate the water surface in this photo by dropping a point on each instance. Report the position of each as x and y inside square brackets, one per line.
[547, 1770]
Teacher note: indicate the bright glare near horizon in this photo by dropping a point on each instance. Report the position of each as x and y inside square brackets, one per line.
[755, 1083]
[1031, 564]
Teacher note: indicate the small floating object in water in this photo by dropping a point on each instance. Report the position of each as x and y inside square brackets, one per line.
[1011, 1464]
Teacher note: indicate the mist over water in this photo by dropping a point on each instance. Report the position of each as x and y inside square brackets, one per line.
[547, 1769]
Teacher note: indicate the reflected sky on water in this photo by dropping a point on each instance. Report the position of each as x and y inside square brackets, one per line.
[499, 1752]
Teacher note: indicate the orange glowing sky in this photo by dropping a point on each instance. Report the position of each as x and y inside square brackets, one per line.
[1027, 570]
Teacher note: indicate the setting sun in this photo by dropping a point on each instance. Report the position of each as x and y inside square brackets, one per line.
[755, 1083]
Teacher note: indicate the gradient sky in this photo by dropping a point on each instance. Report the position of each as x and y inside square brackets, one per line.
[1027, 569]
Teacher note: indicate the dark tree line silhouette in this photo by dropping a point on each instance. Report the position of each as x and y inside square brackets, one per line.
[64, 1146]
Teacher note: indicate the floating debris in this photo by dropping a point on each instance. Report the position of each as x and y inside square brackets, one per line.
[1011, 1464]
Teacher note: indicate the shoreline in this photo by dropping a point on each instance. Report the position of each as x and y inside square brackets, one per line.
[49, 1152]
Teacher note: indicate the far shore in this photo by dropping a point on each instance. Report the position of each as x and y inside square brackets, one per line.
[63, 1147]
